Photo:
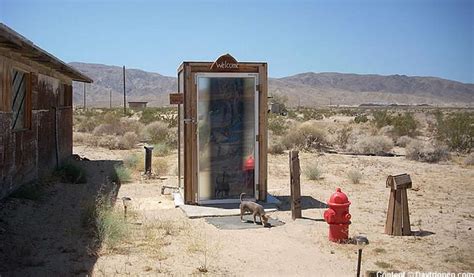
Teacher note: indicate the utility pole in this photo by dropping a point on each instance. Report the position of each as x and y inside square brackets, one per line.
[124, 94]
[84, 96]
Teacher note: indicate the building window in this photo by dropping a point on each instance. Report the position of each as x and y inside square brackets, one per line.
[21, 109]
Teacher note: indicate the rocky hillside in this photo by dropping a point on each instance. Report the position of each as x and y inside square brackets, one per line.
[307, 89]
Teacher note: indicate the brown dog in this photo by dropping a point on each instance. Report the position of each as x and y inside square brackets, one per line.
[255, 209]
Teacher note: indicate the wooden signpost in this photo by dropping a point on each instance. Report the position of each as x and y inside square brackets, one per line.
[295, 185]
[398, 216]
[176, 98]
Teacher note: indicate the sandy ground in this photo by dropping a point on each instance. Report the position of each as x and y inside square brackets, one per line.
[440, 204]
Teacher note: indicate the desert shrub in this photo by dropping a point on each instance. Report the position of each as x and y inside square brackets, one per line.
[87, 125]
[107, 141]
[160, 166]
[106, 222]
[71, 173]
[469, 160]
[130, 125]
[157, 132]
[376, 145]
[381, 118]
[456, 130]
[276, 147]
[361, 118]
[277, 124]
[426, 152]
[343, 136]
[80, 138]
[386, 131]
[305, 136]
[403, 141]
[173, 137]
[134, 161]
[404, 125]
[104, 129]
[148, 116]
[313, 171]
[122, 174]
[354, 176]
[161, 149]
[128, 141]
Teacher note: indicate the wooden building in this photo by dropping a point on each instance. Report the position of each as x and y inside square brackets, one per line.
[137, 105]
[35, 110]
[222, 130]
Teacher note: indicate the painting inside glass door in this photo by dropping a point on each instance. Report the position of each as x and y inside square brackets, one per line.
[227, 145]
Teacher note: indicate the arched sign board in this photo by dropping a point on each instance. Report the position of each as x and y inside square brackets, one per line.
[225, 63]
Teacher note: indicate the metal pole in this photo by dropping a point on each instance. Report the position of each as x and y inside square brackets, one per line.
[124, 94]
[358, 262]
[84, 96]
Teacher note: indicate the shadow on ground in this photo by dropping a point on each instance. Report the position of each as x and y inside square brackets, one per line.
[47, 236]
[307, 202]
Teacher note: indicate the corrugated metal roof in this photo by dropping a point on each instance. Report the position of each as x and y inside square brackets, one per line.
[17, 43]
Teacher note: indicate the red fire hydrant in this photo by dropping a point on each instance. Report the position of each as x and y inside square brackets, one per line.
[338, 217]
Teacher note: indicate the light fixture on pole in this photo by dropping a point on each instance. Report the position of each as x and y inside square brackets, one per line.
[361, 242]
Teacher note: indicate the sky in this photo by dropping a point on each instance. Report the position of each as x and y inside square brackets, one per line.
[409, 37]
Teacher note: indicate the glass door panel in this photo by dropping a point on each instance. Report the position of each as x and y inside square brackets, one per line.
[226, 136]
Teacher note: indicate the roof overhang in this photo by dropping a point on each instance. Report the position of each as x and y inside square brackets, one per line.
[15, 42]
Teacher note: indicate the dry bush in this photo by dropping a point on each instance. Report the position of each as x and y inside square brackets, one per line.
[403, 141]
[135, 162]
[107, 141]
[426, 152]
[354, 176]
[160, 166]
[128, 141]
[81, 138]
[130, 125]
[104, 129]
[305, 136]
[342, 136]
[469, 160]
[372, 145]
[313, 171]
[276, 147]
[156, 132]
[86, 124]
[161, 149]
[387, 131]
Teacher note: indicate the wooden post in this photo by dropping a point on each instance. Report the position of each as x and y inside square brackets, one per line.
[295, 185]
[398, 216]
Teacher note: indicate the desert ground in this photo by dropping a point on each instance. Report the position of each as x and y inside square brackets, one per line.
[47, 236]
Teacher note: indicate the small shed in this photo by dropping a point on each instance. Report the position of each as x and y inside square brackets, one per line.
[222, 130]
[35, 110]
[137, 105]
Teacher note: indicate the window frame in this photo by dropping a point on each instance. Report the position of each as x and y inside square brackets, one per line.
[27, 116]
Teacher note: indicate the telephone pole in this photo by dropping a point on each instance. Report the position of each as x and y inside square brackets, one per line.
[124, 94]
[84, 96]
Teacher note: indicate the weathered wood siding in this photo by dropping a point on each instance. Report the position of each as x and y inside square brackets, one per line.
[26, 155]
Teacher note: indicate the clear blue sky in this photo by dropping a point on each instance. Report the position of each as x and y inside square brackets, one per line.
[417, 37]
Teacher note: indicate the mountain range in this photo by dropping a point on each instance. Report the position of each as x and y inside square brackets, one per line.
[305, 89]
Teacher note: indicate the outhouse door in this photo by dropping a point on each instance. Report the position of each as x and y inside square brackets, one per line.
[227, 136]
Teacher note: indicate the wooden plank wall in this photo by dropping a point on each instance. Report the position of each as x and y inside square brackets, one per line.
[30, 153]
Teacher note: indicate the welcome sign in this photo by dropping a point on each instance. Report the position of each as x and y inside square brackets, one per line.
[225, 63]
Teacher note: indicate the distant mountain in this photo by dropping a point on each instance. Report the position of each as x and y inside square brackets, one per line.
[140, 85]
[305, 89]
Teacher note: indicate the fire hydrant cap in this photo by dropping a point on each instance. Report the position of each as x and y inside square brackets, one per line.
[339, 198]
[249, 163]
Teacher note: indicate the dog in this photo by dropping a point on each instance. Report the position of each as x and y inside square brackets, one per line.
[255, 209]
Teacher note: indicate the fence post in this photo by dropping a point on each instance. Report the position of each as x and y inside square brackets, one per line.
[295, 185]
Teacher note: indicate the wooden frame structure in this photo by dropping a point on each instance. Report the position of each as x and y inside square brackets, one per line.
[187, 127]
